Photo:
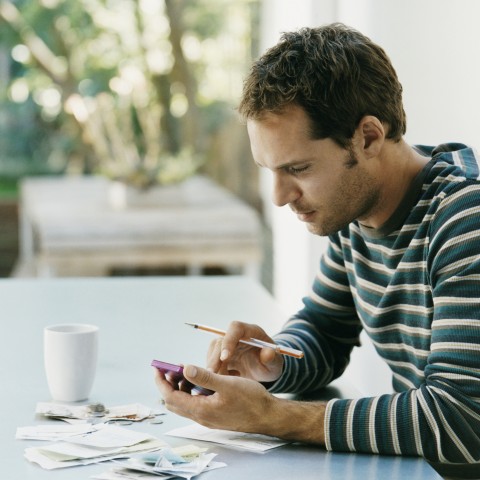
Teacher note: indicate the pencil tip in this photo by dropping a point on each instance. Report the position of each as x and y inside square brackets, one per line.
[191, 324]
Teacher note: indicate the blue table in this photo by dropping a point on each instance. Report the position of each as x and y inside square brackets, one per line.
[141, 319]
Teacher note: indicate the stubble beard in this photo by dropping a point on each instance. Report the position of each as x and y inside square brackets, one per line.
[358, 196]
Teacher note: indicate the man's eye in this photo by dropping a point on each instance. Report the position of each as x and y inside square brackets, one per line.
[297, 170]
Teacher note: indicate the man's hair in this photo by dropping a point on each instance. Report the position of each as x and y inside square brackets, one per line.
[335, 73]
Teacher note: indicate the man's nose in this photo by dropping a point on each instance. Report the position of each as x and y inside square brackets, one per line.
[284, 190]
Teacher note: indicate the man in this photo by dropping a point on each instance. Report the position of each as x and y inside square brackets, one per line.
[324, 113]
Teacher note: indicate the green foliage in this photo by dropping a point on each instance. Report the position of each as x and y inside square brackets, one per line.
[204, 18]
[107, 85]
[27, 143]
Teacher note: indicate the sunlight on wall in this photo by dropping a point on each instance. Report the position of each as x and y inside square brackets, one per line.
[295, 251]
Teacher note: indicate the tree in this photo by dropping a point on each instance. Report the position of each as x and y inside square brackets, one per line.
[112, 82]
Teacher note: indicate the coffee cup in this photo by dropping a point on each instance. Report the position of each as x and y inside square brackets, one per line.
[70, 354]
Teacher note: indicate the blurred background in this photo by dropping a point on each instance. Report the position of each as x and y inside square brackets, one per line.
[144, 92]
[138, 90]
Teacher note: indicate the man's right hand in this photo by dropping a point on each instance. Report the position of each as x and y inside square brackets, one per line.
[228, 356]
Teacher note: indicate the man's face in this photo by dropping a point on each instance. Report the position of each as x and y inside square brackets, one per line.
[325, 185]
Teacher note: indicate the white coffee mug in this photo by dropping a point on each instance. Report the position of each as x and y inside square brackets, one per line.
[70, 353]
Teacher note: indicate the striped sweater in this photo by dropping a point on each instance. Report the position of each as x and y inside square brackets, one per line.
[414, 286]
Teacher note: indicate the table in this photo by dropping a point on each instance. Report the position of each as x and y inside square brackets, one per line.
[141, 319]
[85, 226]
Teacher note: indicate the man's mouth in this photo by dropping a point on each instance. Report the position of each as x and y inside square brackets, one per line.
[304, 216]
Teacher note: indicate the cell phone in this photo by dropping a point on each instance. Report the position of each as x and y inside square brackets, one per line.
[176, 373]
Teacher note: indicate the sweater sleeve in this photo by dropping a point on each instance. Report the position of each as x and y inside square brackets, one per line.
[326, 329]
[440, 419]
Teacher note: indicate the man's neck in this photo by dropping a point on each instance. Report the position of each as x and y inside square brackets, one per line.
[399, 165]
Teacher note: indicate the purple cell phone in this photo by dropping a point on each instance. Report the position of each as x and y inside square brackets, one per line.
[176, 372]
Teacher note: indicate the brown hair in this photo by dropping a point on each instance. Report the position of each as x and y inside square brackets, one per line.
[335, 73]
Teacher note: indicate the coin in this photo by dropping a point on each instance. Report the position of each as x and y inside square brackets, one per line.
[156, 421]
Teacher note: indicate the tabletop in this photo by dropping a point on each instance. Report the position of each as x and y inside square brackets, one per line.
[73, 226]
[141, 319]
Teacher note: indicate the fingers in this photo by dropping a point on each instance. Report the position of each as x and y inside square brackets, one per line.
[176, 400]
[236, 332]
[268, 356]
[227, 355]
[237, 404]
[202, 377]
[162, 383]
[168, 382]
[213, 356]
[225, 352]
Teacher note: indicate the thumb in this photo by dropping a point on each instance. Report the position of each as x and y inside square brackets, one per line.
[202, 377]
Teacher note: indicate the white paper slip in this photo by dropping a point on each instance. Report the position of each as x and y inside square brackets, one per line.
[64, 451]
[110, 436]
[52, 432]
[106, 442]
[249, 441]
[74, 413]
[54, 457]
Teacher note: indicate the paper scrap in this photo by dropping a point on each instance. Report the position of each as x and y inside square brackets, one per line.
[185, 462]
[52, 432]
[134, 412]
[119, 473]
[249, 441]
[35, 455]
[110, 436]
[106, 442]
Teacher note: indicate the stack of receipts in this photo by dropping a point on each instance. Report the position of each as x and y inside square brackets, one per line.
[134, 412]
[185, 462]
[100, 443]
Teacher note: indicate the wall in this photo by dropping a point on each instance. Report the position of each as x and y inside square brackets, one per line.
[434, 46]
[294, 250]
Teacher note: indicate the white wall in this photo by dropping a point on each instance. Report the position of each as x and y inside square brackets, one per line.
[295, 250]
[434, 46]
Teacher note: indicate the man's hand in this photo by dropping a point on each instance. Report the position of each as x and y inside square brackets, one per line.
[228, 356]
[238, 404]
[243, 405]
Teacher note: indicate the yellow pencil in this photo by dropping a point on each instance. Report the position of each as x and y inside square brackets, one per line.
[254, 342]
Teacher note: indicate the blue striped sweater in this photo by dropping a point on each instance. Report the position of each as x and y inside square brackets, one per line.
[414, 286]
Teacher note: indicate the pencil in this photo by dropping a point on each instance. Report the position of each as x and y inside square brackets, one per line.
[254, 342]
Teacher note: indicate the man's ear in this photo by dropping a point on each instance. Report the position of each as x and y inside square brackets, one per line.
[370, 135]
